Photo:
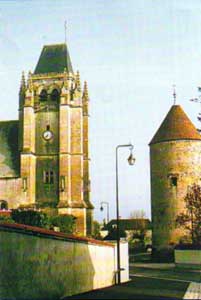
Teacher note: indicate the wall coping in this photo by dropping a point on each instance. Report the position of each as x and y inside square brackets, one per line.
[46, 233]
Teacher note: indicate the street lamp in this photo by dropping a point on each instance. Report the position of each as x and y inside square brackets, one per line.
[131, 161]
[101, 208]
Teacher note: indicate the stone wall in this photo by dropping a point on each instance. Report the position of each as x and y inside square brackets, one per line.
[179, 159]
[11, 192]
[41, 264]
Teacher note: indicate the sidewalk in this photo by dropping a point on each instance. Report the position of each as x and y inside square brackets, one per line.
[138, 288]
[193, 291]
[162, 266]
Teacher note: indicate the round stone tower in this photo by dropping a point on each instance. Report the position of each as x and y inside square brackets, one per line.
[175, 158]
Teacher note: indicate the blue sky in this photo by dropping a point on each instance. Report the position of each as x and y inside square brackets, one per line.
[131, 53]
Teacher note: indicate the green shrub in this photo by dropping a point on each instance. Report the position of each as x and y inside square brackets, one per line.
[164, 254]
[30, 217]
[6, 219]
[137, 246]
[96, 230]
[66, 223]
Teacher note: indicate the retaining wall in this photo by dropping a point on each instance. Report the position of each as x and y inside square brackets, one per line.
[42, 264]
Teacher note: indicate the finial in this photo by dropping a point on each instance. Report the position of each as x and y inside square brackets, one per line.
[30, 84]
[78, 80]
[65, 29]
[174, 93]
[23, 83]
[85, 91]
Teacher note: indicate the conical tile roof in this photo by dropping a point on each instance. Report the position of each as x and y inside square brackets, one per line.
[176, 126]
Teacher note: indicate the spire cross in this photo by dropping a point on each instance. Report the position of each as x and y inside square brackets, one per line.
[174, 94]
[65, 29]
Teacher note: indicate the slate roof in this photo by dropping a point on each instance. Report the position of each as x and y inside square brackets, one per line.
[54, 58]
[176, 126]
[128, 224]
[9, 154]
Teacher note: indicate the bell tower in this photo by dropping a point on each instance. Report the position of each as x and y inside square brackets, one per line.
[53, 134]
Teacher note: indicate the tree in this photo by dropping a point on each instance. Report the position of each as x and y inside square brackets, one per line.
[140, 230]
[138, 236]
[96, 230]
[66, 223]
[190, 219]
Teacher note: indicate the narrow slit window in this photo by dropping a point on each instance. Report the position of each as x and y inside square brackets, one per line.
[51, 177]
[46, 177]
[24, 184]
[62, 183]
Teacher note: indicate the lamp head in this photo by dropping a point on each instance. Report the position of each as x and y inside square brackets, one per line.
[131, 160]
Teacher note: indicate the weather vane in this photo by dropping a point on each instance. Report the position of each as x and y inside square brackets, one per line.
[174, 93]
[65, 29]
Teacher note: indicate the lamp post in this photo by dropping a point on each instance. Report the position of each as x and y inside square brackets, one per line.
[131, 161]
[101, 208]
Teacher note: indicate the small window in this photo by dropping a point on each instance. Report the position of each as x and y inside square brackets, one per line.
[43, 95]
[55, 95]
[48, 177]
[173, 181]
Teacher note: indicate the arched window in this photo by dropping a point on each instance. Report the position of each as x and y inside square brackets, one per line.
[55, 95]
[43, 95]
[3, 204]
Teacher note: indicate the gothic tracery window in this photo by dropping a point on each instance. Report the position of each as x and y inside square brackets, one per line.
[43, 95]
[55, 95]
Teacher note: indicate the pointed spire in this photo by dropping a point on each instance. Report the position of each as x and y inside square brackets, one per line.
[85, 92]
[77, 80]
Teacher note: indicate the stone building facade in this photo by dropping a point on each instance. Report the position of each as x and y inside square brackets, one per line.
[44, 159]
[175, 159]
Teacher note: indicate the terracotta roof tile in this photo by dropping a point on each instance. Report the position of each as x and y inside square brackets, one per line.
[38, 231]
[176, 126]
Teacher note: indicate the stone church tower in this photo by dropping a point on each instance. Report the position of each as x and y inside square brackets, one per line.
[50, 169]
[175, 158]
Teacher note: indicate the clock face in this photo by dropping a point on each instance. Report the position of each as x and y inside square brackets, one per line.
[47, 135]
